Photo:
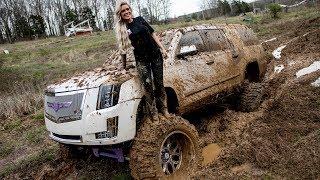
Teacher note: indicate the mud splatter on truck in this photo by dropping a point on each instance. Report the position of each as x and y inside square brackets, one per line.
[104, 108]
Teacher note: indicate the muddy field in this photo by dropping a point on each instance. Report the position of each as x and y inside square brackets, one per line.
[280, 140]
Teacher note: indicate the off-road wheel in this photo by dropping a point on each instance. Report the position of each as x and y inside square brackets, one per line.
[251, 97]
[167, 149]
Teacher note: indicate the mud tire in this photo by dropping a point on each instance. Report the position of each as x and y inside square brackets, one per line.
[251, 97]
[145, 161]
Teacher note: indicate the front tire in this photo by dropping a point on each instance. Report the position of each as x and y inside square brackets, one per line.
[165, 149]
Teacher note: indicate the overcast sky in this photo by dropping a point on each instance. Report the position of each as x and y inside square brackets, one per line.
[181, 7]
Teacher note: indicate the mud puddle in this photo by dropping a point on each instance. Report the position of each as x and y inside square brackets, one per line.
[210, 153]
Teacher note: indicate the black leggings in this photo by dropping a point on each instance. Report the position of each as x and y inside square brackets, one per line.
[152, 66]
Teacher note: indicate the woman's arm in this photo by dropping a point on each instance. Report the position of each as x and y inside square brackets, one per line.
[156, 38]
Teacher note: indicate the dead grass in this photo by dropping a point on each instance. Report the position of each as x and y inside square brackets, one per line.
[25, 99]
[29, 164]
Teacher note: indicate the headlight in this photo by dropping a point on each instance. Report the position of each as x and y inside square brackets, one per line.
[108, 96]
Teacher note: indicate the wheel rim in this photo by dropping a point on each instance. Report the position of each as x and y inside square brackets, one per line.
[172, 152]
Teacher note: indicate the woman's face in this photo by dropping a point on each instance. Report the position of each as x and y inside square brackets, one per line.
[126, 12]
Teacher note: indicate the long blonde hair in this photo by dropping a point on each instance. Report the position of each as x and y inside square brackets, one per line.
[124, 42]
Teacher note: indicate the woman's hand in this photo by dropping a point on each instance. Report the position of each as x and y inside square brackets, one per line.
[163, 50]
[164, 53]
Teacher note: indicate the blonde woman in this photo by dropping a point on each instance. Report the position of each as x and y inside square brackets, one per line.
[147, 52]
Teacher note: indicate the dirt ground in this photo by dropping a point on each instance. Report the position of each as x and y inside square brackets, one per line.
[281, 140]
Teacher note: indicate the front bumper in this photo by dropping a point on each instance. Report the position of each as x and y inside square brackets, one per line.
[83, 132]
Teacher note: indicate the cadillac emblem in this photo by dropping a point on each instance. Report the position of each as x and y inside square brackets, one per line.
[56, 106]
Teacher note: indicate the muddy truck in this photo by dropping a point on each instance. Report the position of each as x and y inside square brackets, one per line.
[104, 110]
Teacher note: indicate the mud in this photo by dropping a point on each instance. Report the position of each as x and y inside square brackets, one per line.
[306, 43]
[210, 153]
[281, 139]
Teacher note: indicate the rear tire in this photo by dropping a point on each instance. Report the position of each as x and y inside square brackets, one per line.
[165, 149]
[251, 97]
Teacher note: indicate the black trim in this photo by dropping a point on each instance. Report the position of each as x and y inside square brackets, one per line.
[68, 137]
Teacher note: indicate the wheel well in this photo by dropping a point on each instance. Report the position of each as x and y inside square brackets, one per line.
[252, 72]
[172, 100]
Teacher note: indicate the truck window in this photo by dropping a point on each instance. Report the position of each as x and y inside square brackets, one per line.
[192, 38]
[247, 36]
[215, 40]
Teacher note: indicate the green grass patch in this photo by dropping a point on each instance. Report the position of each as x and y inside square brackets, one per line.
[122, 176]
[36, 135]
[5, 150]
[38, 116]
[12, 125]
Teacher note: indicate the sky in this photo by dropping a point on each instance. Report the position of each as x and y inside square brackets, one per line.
[181, 7]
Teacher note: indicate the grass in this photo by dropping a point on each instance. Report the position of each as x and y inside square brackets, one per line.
[13, 125]
[31, 161]
[24, 99]
[36, 135]
[48, 60]
[122, 177]
[5, 150]
[39, 116]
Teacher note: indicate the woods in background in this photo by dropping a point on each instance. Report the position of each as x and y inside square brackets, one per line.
[29, 19]
[214, 8]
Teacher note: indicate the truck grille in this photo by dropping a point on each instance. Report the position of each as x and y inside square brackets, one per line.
[63, 109]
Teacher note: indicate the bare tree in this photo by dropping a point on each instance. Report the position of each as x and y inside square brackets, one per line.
[166, 9]
[207, 7]
[5, 13]
[158, 9]
[96, 4]
[138, 5]
[37, 5]
[15, 14]
[60, 13]
[110, 5]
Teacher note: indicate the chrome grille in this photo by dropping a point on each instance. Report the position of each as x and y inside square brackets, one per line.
[62, 109]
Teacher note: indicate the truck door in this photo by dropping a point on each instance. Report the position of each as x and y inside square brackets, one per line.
[190, 72]
[222, 56]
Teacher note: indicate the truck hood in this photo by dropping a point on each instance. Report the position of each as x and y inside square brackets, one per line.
[93, 79]
[87, 80]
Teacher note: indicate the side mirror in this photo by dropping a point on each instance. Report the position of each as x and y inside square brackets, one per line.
[187, 50]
